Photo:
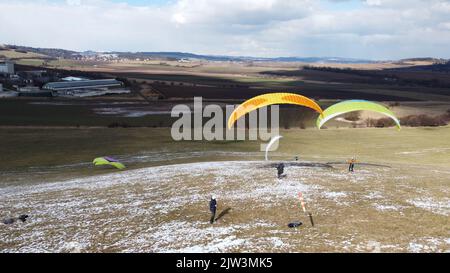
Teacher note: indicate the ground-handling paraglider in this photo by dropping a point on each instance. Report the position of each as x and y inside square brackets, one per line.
[269, 99]
[280, 171]
[106, 160]
[351, 165]
[351, 106]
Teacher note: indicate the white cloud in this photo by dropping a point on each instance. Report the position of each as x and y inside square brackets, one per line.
[179, 18]
[376, 29]
[73, 2]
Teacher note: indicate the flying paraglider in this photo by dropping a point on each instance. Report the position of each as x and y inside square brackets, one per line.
[108, 161]
[272, 141]
[269, 99]
[351, 106]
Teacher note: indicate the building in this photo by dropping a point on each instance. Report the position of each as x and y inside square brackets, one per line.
[7, 67]
[82, 85]
[34, 73]
[8, 94]
[76, 88]
[33, 91]
[29, 89]
[35, 94]
[71, 79]
[5, 93]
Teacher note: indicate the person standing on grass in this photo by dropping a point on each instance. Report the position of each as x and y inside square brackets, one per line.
[213, 208]
[280, 169]
[351, 164]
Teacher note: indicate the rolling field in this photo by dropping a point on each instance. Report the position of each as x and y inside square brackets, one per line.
[397, 200]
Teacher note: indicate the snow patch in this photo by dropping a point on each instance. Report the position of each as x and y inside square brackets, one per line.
[436, 206]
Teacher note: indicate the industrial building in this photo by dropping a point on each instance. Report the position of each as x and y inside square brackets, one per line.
[33, 91]
[5, 93]
[86, 87]
[6, 67]
[71, 79]
[80, 85]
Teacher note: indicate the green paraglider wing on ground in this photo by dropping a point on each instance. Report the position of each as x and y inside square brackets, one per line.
[351, 106]
[99, 161]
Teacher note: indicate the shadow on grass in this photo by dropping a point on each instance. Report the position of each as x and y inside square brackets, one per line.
[223, 213]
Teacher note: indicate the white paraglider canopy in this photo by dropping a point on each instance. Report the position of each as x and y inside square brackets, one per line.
[272, 141]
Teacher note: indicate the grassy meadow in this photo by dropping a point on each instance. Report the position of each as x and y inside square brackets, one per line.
[396, 201]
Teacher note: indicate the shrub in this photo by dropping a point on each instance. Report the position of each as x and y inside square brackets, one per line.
[117, 124]
[423, 120]
[353, 116]
[370, 122]
[384, 122]
[113, 125]
[394, 104]
[412, 121]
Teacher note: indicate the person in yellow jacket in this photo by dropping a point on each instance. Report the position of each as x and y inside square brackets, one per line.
[351, 163]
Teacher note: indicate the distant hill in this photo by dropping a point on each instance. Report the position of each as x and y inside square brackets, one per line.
[441, 66]
[426, 59]
[50, 52]
[70, 54]
[182, 55]
[322, 60]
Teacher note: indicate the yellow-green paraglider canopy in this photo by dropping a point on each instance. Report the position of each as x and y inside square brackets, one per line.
[99, 161]
[354, 105]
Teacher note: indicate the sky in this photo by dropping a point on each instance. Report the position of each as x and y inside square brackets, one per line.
[367, 29]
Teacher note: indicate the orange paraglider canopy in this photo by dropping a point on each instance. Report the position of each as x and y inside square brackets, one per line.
[269, 99]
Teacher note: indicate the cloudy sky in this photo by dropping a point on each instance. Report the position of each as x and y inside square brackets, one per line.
[370, 29]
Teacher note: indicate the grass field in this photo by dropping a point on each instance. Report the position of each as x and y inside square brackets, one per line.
[400, 203]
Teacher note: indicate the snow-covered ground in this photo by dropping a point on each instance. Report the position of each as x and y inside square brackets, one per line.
[165, 209]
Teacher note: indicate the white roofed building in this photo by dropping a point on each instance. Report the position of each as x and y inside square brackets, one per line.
[81, 88]
[7, 67]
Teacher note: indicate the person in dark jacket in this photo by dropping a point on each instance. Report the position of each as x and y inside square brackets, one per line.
[213, 208]
[280, 169]
[23, 217]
